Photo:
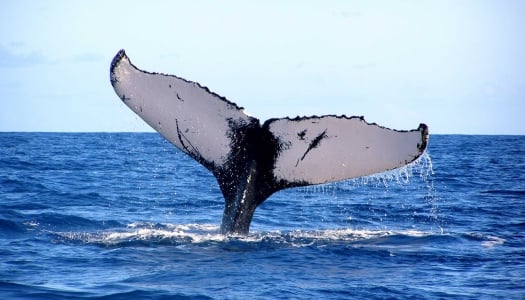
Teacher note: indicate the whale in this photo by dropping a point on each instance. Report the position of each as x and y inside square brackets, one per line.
[252, 160]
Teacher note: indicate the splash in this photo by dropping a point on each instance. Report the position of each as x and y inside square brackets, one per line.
[415, 180]
[420, 168]
[147, 234]
[208, 235]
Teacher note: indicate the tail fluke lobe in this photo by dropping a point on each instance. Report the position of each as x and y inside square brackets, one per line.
[324, 149]
[200, 123]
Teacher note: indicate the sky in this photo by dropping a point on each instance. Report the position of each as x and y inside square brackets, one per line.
[456, 65]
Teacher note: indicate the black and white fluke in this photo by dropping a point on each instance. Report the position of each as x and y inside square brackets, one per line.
[252, 161]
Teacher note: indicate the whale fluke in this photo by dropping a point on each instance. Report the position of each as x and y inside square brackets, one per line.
[252, 161]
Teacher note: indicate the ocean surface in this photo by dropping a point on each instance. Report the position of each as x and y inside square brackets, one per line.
[128, 216]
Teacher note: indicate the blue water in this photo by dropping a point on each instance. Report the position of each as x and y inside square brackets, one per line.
[120, 216]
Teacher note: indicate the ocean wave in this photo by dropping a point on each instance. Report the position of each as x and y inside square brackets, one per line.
[505, 192]
[487, 241]
[14, 290]
[8, 227]
[154, 234]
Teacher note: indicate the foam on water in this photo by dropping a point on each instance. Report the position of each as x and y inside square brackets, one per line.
[140, 234]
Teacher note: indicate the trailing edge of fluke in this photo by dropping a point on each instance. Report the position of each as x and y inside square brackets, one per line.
[250, 160]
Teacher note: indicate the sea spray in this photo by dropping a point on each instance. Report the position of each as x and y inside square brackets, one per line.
[358, 197]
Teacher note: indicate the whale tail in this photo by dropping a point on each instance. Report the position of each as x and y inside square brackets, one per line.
[252, 161]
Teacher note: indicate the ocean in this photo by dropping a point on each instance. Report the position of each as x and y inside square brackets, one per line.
[128, 216]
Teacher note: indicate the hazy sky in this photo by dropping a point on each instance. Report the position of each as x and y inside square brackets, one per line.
[458, 66]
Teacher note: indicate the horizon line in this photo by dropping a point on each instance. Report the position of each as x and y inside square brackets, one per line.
[154, 132]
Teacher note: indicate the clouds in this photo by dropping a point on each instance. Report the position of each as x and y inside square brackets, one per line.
[12, 59]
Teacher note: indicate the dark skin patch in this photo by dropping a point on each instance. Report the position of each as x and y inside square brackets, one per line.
[301, 134]
[314, 144]
[186, 144]
[114, 80]
[124, 98]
